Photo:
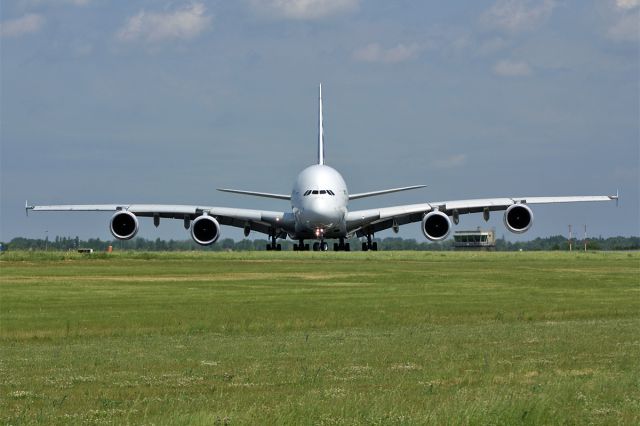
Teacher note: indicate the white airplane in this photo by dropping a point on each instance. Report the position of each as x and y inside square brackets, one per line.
[319, 201]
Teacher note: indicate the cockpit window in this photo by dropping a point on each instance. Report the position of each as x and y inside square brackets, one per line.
[318, 191]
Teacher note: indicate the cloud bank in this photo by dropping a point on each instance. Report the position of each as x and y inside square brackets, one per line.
[304, 9]
[28, 24]
[515, 16]
[152, 27]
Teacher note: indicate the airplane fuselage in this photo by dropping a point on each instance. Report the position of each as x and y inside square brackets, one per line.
[319, 203]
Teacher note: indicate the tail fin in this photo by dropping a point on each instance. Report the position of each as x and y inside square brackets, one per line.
[320, 130]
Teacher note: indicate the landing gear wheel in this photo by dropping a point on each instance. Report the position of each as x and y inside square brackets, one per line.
[316, 246]
[369, 244]
[279, 247]
[336, 247]
[347, 247]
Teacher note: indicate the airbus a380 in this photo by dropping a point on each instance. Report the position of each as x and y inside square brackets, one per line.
[319, 212]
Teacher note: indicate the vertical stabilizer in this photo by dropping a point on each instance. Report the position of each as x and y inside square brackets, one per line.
[320, 130]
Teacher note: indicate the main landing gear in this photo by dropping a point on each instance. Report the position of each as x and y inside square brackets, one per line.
[321, 246]
[273, 245]
[341, 246]
[369, 245]
[301, 246]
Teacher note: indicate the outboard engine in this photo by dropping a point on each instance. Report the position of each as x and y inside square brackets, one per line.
[124, 225]
[436, 225]
[518, 218]
[205, 230]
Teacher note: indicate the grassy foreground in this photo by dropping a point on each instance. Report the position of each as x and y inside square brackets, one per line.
[320, 338]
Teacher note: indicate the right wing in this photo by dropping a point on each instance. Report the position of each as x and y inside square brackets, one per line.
[257, 194]
[259, 220]
[375, 220]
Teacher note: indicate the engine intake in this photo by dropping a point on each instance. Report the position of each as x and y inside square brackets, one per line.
[205, 230]
[518, 218]
[124, 225]
[436, 225]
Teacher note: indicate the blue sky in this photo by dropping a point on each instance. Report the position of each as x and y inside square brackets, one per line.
[162, 102]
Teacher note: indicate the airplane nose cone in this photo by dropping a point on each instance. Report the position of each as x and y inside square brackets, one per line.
[320, 213]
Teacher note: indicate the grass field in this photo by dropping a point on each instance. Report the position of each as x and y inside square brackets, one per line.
[320, 338]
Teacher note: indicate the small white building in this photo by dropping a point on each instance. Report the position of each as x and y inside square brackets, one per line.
[475, 240]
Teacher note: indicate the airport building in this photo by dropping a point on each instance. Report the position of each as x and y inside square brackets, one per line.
[475, 240]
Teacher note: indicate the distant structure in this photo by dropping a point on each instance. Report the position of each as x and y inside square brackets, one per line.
[475, 240]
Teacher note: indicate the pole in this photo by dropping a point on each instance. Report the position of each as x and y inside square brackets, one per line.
[585, 238]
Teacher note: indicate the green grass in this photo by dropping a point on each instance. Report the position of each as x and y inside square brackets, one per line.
[320, 338]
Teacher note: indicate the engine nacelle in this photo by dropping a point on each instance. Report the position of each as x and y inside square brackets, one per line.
[205, 230]
[436, 225]
[123, 225]
[518, 218]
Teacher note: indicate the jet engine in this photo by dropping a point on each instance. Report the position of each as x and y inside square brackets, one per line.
[124, 225]
[205, 230]
[436, 225]
[518, 218]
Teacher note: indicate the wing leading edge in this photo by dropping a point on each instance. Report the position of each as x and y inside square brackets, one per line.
[361, 222]
[259, 220]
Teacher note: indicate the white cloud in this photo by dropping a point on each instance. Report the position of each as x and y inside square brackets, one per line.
[517, 15]
[509, 68]
[375, 53]
[627, 28]
[153, 27]
[627, 4]
[627, 21]
[454, 161]
[304, 9]
[28, 24]
[36, 3]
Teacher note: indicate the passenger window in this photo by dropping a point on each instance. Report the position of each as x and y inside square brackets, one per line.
[323, 191]
[314, 191]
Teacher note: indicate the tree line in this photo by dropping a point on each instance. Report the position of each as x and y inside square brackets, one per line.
[556, 242]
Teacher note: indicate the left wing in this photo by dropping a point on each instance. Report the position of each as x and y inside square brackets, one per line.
[384, 191]
[259, 220]
[362, 222]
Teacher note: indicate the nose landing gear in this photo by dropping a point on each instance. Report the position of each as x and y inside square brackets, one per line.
[320, 246]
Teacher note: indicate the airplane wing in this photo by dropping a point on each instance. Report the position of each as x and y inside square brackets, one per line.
[384, 191]
[257, 220]
[361, 222]
[256, 194]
